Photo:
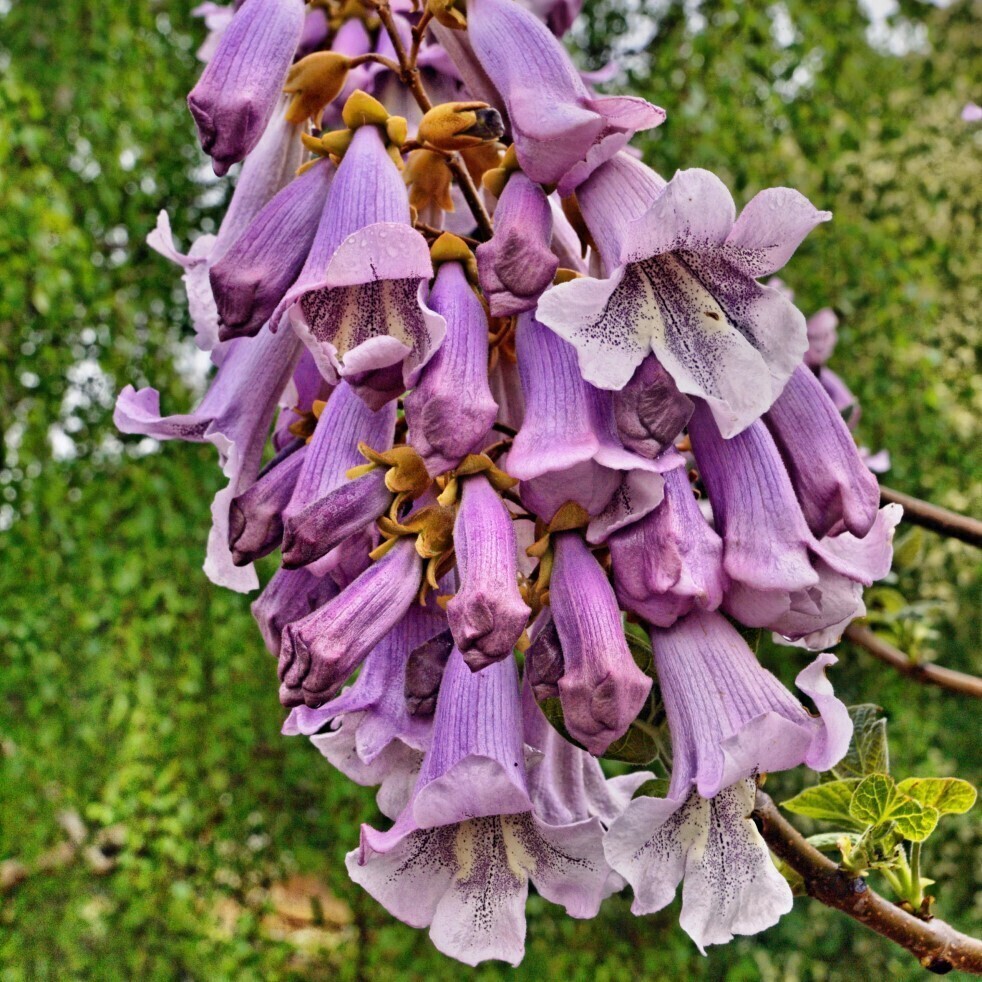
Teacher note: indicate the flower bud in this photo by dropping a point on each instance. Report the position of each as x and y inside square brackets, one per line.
[459, 125]
[315, 82]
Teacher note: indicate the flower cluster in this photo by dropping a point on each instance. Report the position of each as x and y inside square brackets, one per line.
[526, 401]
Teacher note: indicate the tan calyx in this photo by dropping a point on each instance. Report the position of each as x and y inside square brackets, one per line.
[450, 248]
[446, 12]
[429, 179]
[405, 472]
[361, 109]
[496, 178]
[460, 125]
[433, 528]
[315, 82]
[474, 463]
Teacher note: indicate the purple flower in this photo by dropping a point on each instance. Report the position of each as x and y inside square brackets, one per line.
[780, 576]
[567, 448]
[319, 652]
[562, 132]
[252, 277]
[834, 486]
[367, 732]
[451, 410]
[687, 291]
[671, 561]
[488, 615]
[289, 596]
[255, 521]
[327, 514]
[266, 170]
[602, 690]
[730, 719]
[357, 303]
[460, 856]
[235, 415]
[517, 265]
[241, 85]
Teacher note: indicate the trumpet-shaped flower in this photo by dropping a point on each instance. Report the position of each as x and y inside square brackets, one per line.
[460, 856]
[687, 290]
[358, 302]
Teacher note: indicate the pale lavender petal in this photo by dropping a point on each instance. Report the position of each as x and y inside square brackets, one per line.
[235, 97]
[567, 448]
[731, 885]
[602, 689]
[832, 483]
[451, 410]
[358, 301]
[766, 539]
[487, 615]
[772, 225]
[694, 212]
[235, 415]
[516, 265]
[393, 771]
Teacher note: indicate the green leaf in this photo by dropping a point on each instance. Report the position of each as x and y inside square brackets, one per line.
[656, 788]
[949, 795]
[867, 753]
[915, 821]
[828, 802]
[872, 799]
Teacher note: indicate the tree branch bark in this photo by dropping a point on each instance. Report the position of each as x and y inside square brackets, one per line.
[925, 672]
[936, 945]
[934, 517]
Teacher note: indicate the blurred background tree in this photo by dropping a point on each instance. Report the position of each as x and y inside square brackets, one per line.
[138, 709]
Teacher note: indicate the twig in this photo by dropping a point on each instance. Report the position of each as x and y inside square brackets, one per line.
[409, 74]
[944, 678]
[936, 945]
[933, 517]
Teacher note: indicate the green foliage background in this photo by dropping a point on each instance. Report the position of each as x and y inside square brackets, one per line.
[136, 694]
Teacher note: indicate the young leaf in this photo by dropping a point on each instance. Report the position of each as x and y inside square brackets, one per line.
[949, 795]
[872, 799]
[915, 821]
[828, 802]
